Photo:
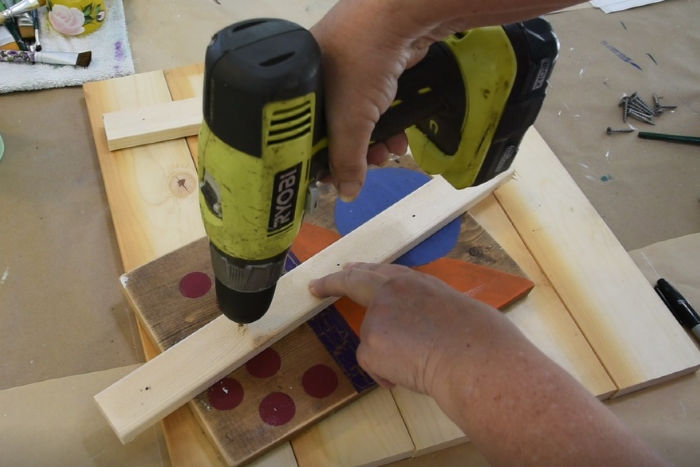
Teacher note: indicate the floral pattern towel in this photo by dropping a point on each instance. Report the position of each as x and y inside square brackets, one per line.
[111, 55]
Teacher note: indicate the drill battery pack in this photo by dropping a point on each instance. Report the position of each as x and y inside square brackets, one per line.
[468, 104]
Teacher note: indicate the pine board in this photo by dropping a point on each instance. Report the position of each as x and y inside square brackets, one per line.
[532, 316]
[631, 330]
[152, 190]
[159, 122]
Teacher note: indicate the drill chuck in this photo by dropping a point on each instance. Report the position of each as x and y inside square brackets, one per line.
[244, 289]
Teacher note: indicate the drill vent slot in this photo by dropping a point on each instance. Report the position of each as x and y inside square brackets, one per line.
[278, 59]
[289, 124]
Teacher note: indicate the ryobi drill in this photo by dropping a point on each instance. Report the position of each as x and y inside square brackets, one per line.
[263, 146]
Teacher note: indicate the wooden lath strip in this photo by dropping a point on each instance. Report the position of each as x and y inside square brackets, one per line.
[152, 124]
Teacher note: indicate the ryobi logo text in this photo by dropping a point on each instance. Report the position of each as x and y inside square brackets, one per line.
[284, 198]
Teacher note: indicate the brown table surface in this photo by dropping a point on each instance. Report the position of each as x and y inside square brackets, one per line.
[61, 308]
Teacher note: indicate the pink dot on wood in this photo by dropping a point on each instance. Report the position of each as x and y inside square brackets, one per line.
[265, 364]
[195, 284]
[226, 394]
[319, 381]
[277, 408]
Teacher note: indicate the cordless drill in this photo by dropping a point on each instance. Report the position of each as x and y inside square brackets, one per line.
[263, 147]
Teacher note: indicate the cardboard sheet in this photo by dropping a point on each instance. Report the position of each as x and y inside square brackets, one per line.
[611, 6]
[61, 311]
[56, 422]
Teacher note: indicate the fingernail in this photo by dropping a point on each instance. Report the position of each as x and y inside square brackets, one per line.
[348, 191]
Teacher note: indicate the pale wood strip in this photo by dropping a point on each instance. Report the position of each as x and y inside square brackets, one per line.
[280, 456]
[185, 439]
[152, 190]
[153, 123]
[156, 389]
[349, 440]
[542, 316]
[635, 337]
[429, 427]
[186, 82]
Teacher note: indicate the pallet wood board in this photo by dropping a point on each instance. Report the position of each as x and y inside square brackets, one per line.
[631, 330]
[171, 311]
[567, 346]
[235, 430]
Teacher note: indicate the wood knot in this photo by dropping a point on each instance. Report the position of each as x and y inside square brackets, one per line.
[183, 184]
[476, 251]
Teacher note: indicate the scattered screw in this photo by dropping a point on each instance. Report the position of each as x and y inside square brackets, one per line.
[658, 108]
[610, 131]
[636, 107]
[642, 117]
[625, 104]
[642, 103]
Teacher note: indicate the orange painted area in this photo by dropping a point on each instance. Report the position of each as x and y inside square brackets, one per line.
[487, 285]
[311, 240]
[490, 286]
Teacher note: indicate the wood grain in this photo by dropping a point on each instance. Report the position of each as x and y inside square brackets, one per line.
[153, 123]
[221, 346]
[621, 316]
[152, 191]
[542, 316]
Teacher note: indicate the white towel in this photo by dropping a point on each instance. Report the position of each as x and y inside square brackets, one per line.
[111, 55]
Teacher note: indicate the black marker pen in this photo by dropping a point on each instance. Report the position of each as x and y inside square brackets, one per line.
[679, 306]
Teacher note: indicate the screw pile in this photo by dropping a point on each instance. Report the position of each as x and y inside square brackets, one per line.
[637, 108]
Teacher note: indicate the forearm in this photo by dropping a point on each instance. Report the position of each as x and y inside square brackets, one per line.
[469, 13]
[516, 405]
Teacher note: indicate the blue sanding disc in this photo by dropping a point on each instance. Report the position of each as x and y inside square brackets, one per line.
[383, 188]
